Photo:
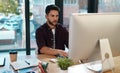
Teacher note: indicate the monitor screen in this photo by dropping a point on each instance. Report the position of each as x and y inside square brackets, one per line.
[85, 30]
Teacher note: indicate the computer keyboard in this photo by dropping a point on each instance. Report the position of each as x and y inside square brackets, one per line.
[97, 67]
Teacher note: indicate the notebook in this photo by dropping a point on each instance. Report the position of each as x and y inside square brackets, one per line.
[26, 63]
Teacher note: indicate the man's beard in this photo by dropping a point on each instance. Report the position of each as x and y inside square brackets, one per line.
[52, 23]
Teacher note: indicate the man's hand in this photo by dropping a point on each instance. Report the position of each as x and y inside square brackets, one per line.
[62, 53]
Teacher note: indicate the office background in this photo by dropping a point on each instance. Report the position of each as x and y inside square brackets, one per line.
[25, 16]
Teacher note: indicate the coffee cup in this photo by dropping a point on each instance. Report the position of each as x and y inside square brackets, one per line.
[13, 55]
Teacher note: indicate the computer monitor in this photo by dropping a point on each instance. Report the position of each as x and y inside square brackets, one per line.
[85, 31]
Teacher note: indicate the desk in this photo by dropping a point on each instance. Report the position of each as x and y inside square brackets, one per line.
[53, 67]
[82, 68]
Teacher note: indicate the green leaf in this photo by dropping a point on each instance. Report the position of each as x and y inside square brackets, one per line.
[64, 63]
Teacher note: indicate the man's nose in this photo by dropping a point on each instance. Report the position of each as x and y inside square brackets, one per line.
[55, 18]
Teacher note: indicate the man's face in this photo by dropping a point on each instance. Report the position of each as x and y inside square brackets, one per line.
[52, 18]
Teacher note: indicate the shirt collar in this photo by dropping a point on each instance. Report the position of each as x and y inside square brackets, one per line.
[49, 27]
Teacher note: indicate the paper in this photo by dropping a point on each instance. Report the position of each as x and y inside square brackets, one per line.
[2, 61]
[20, 64]
[29, 70]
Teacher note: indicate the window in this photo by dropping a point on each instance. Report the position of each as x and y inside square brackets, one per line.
[38, 18]
[73, 6]
[109, 6]
[11, 24]
[70, 2]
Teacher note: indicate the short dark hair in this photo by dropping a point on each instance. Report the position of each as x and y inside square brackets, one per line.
[51, 7]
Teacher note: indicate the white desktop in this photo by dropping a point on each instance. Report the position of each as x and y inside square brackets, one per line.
[86, 31]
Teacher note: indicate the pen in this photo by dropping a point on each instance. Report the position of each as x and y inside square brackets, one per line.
[41, 68]
[27, 62]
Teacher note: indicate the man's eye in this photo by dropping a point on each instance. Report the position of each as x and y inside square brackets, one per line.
[52, 15]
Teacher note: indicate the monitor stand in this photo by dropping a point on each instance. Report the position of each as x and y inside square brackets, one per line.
[106, 54]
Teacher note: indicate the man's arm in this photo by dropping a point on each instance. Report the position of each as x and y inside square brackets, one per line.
[47, 50]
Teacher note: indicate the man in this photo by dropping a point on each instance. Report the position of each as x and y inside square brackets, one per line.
[52, 37]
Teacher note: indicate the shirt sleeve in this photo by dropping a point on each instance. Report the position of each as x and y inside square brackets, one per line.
[40, 39]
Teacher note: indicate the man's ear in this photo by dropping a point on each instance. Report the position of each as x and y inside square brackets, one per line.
[46, 16]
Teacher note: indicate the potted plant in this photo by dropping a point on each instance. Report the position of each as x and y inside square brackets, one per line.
[64, 63]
